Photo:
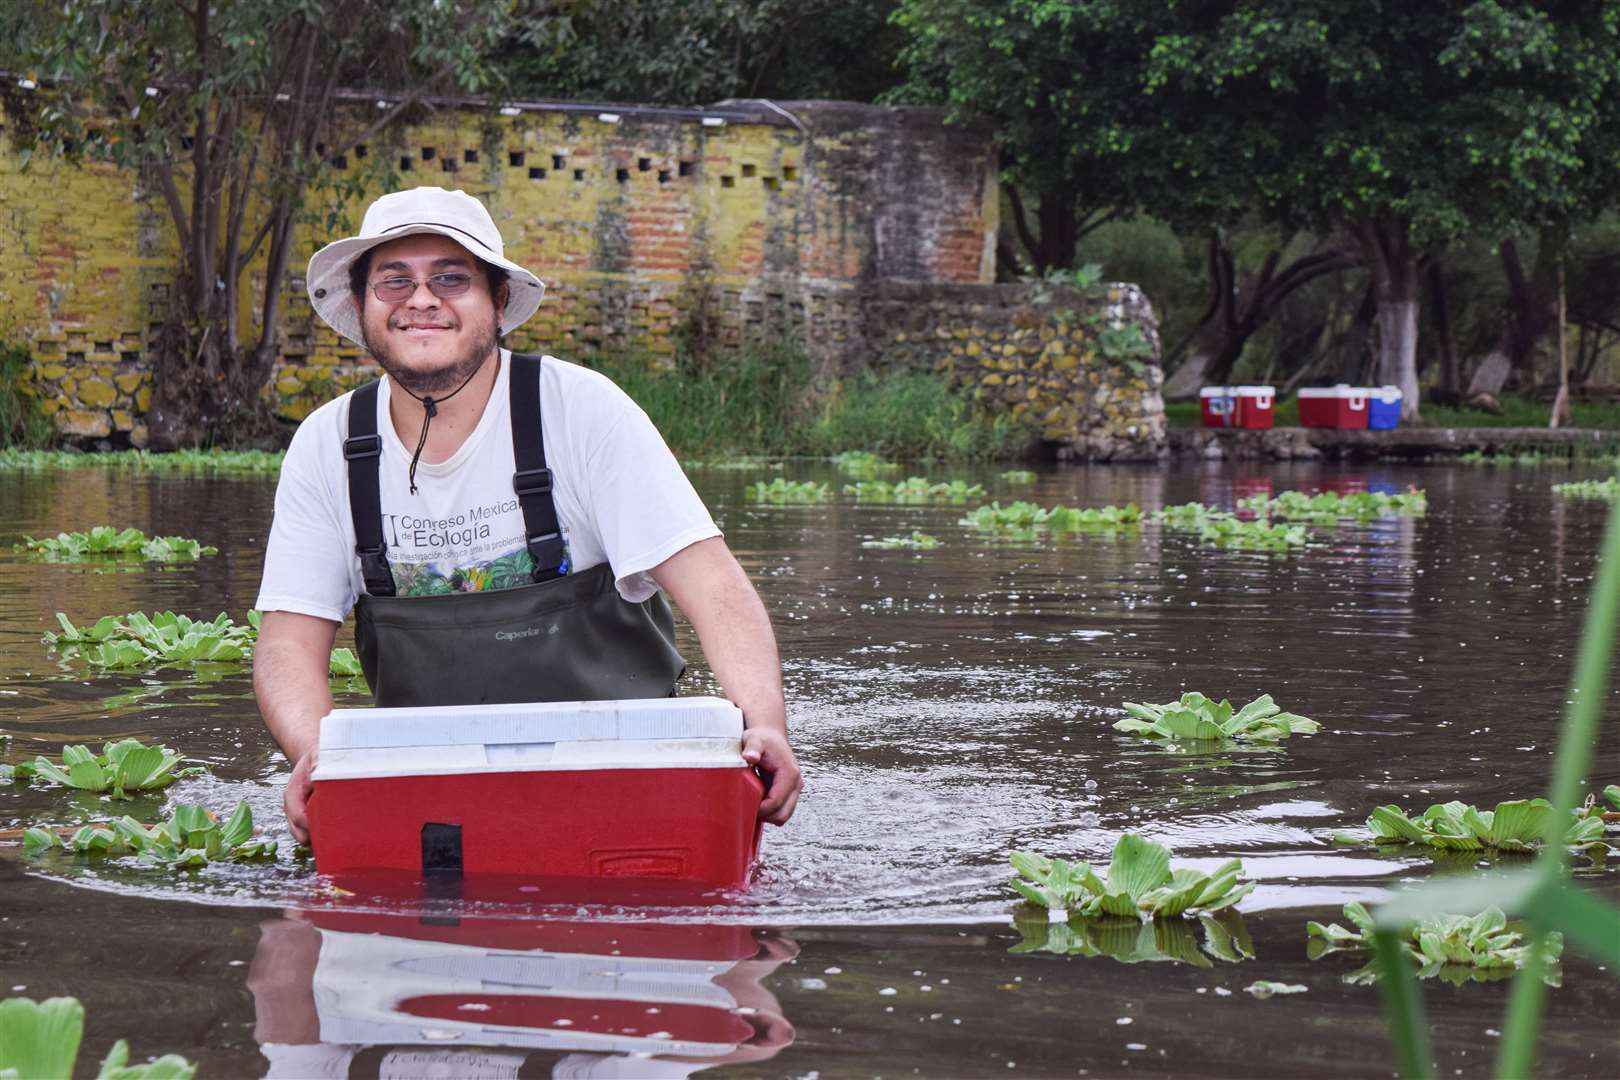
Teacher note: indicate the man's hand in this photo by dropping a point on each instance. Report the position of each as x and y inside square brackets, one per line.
[295, 799]
[767, 750]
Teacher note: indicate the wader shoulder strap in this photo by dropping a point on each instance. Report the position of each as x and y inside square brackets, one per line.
[363, 450]
[532, 481]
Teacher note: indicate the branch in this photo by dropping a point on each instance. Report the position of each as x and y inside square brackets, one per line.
[1021, 224]
[171, 196]
[1088, 226]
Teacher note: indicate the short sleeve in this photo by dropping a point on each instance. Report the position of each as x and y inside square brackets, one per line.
[644, 507]
[307, 558]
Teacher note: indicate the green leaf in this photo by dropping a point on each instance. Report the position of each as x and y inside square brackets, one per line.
[40, 1040]
[36, 841]
[1524, 820]
[1137, 865]
[239, 827]
[1265, 988]
[1389, 823]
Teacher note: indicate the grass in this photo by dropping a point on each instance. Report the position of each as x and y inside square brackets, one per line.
[22, 425]
[1517, 411]
[766, 400]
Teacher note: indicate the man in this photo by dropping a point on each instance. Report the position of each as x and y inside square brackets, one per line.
[477, 573]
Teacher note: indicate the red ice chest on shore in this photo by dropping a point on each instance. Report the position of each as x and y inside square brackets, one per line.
[652, 788]
[1253, 406]
[1343, 407]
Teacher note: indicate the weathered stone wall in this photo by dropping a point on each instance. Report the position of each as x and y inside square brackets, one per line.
[831, 222]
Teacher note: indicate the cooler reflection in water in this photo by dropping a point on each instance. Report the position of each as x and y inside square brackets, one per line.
[341, 994]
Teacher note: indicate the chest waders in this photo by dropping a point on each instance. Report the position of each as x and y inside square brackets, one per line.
[562, 637]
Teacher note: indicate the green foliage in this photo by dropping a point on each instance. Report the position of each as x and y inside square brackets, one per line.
[190, 836]
[1265, 988]
[914, 490]
[780, 491]
[1517, 410]
[1134, 941]
[40, 1041]
[1456, 948]
[138, 641]
[914, 415]
[1018, 476]
[106, 540]
[1223, 530]
[179, 461]
[1328, 507]
[1196, 718]
[917, 541]
[22, 424]
[1516, 826]
[1608, 490]
[1139, 884]
[862, 464]
[1027, 518]
[121, 767]
[345, 663]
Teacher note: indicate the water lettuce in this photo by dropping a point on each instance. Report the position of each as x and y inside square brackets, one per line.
[104, 540]
[39, 1040]
[789, 491]
[1517, 826]
[1196, 718]
[138, 641]
[919, 541]
[1139, 883]
[1220, 529]
[1608, 490]
[915, 489]
[862, 464]
[1018, 476]
[190, 836]
[121, 767]
[1328, 507]
[1028, 516]
[1455, 947]
[1136, 941]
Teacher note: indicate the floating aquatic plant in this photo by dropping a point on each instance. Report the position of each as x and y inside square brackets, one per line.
[917, 541]
[39, 1040]
[138, 641]
[1328, 507]
[104, 540]
[789, 491]
[1139, 883]
[1517, 826]
[345, 663]
[190, 836]
[916, 489]
[208, 461]
[1457, 948]
[1027, 516]
[1590, 489]
[1196, 718]
[862, 464]
[1220, 529]
[1134, 941]
[1019, 476]
[121, 767]
[1265, 988]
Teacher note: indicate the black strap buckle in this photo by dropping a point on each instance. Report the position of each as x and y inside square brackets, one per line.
[547, 552]
[374, 569]
[362, 446]
[532, 482]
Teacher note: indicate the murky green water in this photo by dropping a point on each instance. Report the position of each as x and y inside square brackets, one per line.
[947, 706]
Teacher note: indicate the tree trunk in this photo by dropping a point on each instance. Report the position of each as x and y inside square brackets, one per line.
[1532, 312]
[1445, 343]
[1386, 249]
[1352, 361]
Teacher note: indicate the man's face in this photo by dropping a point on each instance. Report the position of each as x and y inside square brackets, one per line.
[430, 345]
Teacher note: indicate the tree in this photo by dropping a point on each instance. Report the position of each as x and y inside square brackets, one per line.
[1404, 126]
[229, 110]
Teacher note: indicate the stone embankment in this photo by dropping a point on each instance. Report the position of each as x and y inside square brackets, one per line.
[1299, 444]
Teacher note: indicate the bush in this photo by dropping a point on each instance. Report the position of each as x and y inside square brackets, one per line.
[22, 424]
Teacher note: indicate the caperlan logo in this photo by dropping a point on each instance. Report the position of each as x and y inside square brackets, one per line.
[514, 635]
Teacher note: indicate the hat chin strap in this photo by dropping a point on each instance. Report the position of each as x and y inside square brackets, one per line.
[430, 407]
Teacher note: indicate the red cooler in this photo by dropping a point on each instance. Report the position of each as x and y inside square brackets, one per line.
[1217, 405]
[1253, 406]
[652, 788]
[1343, 407]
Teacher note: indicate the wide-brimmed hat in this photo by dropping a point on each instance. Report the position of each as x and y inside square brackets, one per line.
[454, 214]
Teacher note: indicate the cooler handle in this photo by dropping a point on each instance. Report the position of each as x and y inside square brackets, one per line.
[1358, 403]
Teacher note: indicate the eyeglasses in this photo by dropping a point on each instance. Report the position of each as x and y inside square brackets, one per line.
[391, 290]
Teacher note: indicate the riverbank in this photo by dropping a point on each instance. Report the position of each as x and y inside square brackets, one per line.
[1405, 444]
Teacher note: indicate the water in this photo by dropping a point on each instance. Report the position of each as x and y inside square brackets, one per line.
[947, 706]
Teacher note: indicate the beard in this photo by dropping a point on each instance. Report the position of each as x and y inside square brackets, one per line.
[443, 379]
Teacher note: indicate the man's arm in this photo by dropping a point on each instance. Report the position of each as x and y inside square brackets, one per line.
[291, 662]
[715, 594]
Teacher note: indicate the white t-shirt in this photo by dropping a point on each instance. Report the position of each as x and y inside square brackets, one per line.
[621, 498]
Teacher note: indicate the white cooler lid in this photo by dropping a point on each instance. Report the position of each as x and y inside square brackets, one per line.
[1253, 391]
[1389, 395]
[1215, 391]
[651, 733]
[1343, 390]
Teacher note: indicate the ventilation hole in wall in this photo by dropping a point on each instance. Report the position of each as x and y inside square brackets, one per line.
[536, 173]
[663, 176]
[428, 153]
[340, 162]
[790, 173]
[103, 346]
[558, 161]
[514, 158]
[579, 176]
[470, 156]
[622, 175]
[360, 152]
[643, 164]
[404, 164]
[686, 168]
[449, 164]
[154, 329]
[771, 183]
[132, 356]
[72, 356]
[748, 170]
[728, 181]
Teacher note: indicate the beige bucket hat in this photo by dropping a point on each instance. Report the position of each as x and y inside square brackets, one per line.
[454, 214]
